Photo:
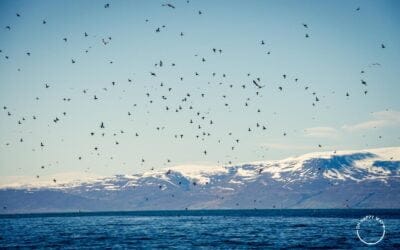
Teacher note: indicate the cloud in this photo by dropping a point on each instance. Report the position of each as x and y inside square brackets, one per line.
[321, 132]
[45, 180]
[286, 146]
[380, 119]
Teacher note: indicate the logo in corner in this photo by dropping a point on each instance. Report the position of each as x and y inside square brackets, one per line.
[370, 230]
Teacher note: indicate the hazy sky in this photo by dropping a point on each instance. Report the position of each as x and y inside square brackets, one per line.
[342, 42]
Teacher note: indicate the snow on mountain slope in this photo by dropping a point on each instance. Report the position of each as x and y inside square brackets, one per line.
[335, 165]
[362, 178]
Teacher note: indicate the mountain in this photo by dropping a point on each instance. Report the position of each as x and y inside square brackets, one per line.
[342, 179]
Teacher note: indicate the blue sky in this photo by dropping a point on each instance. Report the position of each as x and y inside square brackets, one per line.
[342, 42]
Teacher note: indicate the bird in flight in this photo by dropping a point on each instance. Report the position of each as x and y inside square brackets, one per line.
[168, 5]
[258, 86]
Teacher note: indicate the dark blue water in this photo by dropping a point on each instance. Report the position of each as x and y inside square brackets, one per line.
[267, 229]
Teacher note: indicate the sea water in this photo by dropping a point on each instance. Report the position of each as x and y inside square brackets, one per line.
[223, 229]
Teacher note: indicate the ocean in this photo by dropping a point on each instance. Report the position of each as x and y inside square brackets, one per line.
[218, 229]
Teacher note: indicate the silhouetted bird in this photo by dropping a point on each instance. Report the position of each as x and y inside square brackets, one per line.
[259, 86]
[168, 5]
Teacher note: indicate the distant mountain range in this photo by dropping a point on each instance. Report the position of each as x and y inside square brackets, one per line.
[342, 179]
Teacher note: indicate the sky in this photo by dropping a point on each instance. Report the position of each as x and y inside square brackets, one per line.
[344, 47]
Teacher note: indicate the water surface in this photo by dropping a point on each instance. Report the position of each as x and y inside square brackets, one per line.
[292, 229]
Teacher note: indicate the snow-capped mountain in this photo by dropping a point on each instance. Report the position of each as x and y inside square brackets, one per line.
[342, 179]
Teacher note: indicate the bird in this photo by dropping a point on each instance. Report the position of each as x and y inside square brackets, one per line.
[383, 46]
[168, 5]
[107, 5]
[259, 86]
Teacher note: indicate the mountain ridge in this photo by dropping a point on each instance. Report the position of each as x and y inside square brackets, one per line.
[336, 179]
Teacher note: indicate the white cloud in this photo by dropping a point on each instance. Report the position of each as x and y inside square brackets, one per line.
[388, 118]
[45, 180]
[286, 146]
[321, 132]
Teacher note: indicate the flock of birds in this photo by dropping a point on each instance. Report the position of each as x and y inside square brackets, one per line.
[201, 119]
